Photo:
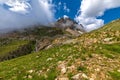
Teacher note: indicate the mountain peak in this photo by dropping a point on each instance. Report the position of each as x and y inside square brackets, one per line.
[66, 22]
[65, 17]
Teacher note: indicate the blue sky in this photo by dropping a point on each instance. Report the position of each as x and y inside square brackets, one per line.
[74, 6]
[111, 14]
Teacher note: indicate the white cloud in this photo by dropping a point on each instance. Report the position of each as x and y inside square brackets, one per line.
[22, 14]
[91, 9]
[59, 3]
[66, 9]
[17, 6]
[58, 6]
[65, 16]
[62, 6]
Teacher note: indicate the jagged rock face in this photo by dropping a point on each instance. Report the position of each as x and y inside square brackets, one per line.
[66, 22]
[42, 44]
[70, 26]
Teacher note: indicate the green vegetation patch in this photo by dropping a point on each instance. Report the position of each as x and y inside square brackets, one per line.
[11, 46]
[112, 47]
[115, 75]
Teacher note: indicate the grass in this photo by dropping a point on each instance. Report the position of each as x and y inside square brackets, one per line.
[19, 67]
[81, 68]
[11, 46]
[112, 47]
[37, 61]
[115, 25]
[115, 75]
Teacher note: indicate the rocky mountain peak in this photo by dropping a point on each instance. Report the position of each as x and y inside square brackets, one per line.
[65, 22]
[65, 17]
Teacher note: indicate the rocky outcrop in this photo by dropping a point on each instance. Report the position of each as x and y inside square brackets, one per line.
[42, 44]
[67, 23]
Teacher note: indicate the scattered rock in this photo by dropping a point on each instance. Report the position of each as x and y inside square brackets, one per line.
[118, 70]
[84, 76]
[39, 72]
[91, 79]
[49, 59]
[37, 56]
[31, 71]
[107, 39]
[76, 77]
[29, 76]
[62, 67]
[97, 69]
[93, 76]
[63, 78]
[71, 68]
[63, 70]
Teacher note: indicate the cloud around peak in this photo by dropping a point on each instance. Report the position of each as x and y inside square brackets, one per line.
[90, 10]
[25, 13]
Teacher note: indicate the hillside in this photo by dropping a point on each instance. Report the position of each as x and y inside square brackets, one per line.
[90, 56]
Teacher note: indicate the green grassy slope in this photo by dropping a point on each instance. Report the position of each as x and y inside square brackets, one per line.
[13, 45]
[14, 48]
[114, 25]
[92, 56]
